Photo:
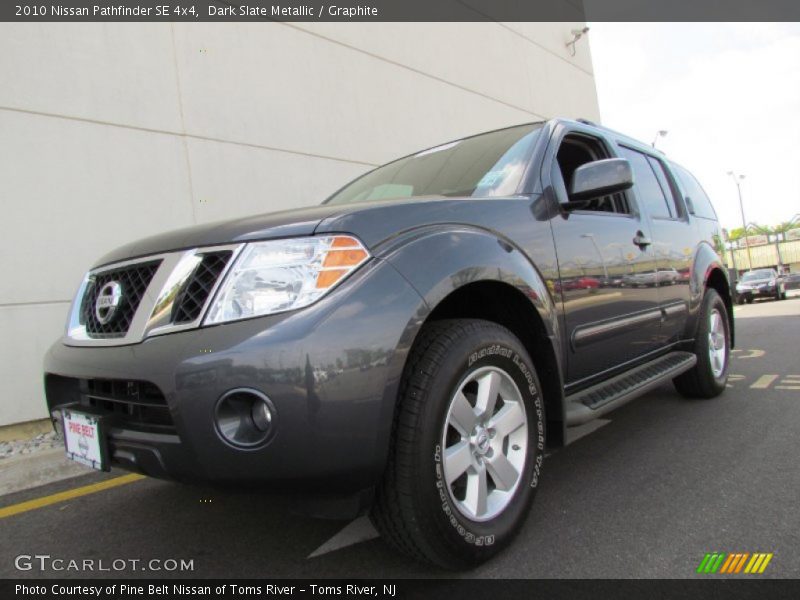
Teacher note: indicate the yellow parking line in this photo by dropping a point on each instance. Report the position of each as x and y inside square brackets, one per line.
[763, 382]
[22, 507]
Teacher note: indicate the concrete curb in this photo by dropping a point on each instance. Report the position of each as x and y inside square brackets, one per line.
[38, 468]
[24, 431]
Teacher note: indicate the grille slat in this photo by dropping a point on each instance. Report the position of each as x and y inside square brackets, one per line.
[133, 281]
[138, 405]
[192, 298]
[102, 398]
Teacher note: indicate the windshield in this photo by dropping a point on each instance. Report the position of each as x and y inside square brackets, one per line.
[762, 274]
[491, 164]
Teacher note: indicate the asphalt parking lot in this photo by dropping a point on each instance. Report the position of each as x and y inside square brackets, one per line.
[646, 492]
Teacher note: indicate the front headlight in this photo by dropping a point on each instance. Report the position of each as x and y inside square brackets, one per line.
[771, 283]
[280, 275]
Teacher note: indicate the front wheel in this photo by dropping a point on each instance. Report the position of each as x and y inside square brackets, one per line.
[709, 376]
[467, 445]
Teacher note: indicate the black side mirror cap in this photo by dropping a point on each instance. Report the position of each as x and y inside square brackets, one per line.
[599, 178]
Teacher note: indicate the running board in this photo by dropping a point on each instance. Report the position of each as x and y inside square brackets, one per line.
[588, 404]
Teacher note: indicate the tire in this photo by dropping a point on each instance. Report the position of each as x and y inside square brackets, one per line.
[709, 376]
[740, 301]
[415, 508]
[749, 299]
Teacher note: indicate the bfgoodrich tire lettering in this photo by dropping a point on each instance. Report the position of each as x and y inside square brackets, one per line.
[416, 510]
[709, 376]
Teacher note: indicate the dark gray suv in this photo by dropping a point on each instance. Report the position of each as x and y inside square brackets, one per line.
[413, 344]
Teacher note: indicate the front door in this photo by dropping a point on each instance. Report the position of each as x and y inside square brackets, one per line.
[609, 305]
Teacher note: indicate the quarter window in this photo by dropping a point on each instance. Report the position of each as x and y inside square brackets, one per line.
[693, 191]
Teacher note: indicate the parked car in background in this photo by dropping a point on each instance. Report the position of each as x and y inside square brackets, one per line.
[642, 279]
[665, 276]
[577, 283]
[791, 281]
[612, 281]
[760, 283]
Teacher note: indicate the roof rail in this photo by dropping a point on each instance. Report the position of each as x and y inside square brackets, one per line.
[587, 122]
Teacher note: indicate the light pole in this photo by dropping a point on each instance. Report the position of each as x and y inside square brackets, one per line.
[590, 236]
[659, 133]
[738, 179]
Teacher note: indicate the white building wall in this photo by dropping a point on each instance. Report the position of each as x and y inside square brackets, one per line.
[111, 132]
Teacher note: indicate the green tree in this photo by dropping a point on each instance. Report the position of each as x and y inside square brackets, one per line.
[785, 226]
[756, 229]
[735, 234]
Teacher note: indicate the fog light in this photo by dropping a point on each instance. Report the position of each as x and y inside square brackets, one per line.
[262, 416]
[245, 418]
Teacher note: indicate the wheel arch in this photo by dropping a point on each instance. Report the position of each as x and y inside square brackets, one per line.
[708, 272]
[481, 275]
[505, 305]
[718, 281]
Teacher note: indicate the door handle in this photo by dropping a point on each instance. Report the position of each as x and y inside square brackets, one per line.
[641, 240]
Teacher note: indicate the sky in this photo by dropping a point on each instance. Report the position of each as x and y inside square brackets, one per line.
[727, 93]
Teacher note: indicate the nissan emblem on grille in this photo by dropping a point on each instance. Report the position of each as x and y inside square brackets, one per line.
[107, 301]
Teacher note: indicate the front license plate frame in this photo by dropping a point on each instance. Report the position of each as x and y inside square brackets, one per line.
[85, 439]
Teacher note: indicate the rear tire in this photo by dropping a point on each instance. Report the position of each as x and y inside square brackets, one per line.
[469, 391]
[709, 376]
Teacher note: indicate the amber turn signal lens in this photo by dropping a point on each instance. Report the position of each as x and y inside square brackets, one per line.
[344, 258]
[327, 278]
[343, 241]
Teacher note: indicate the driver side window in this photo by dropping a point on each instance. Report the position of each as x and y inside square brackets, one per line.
[576, 150]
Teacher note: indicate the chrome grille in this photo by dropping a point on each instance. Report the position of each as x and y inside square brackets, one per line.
[195, 292]
[134, 281]
[160, 294]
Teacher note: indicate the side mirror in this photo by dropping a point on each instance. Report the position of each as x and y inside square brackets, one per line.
[689, 205]
[599, 178]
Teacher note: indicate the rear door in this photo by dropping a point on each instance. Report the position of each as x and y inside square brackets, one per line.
[673, 236]
[599, 247]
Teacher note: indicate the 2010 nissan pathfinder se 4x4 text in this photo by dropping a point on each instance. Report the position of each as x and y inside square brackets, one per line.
[415, 342]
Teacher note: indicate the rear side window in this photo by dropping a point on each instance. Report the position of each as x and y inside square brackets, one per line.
[693, 192]
[669, 188]
[646, 186]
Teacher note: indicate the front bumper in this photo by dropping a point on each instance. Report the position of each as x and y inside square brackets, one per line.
[331, 371]
[766, 291]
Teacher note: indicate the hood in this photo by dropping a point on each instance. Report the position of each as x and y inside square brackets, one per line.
[752, 282]
[287, 223]
[372, 222]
